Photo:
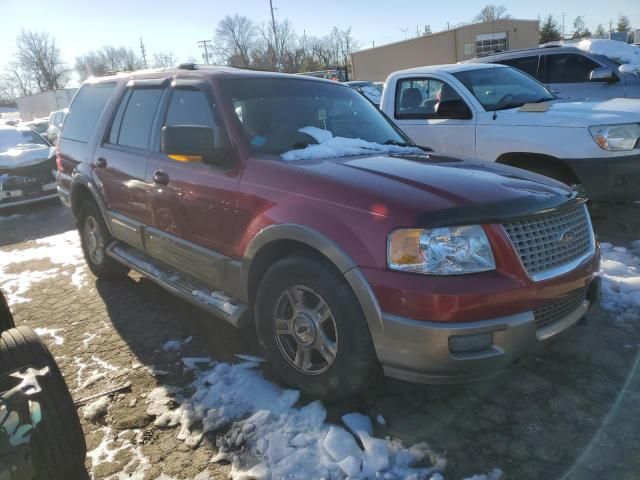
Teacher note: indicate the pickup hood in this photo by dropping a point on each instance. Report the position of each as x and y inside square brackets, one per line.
[441, 190]
[571, 113]
[24, 156]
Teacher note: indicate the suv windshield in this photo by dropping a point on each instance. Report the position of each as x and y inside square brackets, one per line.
[11, 138]
[503, 87]
[274, 110]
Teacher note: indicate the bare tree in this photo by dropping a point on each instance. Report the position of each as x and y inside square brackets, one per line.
[623, 24]
[235, 39]
[39, 58]
[492, 12]
[107, 59]
[164, 60]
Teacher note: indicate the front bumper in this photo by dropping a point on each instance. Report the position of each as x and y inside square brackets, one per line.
[429, 352]
[609, 179]
[28, 184]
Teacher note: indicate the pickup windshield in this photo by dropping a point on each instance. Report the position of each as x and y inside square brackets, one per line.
[501, 88]
[279, 115]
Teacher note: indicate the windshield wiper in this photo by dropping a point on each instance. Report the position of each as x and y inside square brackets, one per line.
[506, 106]
[398, 143]
[543, 99]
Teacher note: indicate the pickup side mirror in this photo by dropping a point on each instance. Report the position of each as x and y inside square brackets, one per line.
[602, 74]
[188, 143]
[454, 108]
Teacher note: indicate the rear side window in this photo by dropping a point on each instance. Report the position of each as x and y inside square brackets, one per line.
[569, 68]
[85, 111]
[133, 121]
[417, 97]
[526, 64]
[189, 107]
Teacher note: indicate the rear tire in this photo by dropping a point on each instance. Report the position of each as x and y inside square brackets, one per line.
[322, 344]
[95, 239]
[6, 319]
[56, 441]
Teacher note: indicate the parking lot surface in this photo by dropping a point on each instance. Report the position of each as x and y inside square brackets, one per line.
[569, 412]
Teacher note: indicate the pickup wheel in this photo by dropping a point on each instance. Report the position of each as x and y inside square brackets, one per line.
[95, 238]
[312, 330]
[39, 427]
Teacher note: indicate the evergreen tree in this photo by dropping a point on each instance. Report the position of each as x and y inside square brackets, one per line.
[580, 29]
[600, 32]
[623, 24]
[549, 30]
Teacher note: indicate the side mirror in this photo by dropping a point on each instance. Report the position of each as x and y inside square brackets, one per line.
[603, 74]
[455, 108]
[188, 143]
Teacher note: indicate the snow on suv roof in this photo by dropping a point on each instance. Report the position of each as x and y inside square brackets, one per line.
[451, 68]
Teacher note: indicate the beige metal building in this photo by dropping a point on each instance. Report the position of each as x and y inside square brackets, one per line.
[449, 46]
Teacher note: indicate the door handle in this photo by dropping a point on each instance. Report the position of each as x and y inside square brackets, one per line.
[101, 162]
[160, 177]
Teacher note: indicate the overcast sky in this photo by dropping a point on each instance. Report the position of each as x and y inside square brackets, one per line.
[176, 26]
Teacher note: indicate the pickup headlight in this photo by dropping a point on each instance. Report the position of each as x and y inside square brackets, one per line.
[623, 136]
[440, 251]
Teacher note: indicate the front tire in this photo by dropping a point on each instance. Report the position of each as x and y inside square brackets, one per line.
[312, 329]
[95, 238]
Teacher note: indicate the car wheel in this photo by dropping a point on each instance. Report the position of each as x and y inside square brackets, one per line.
[95, 239]
[6, 319]
[312, 329]
[37, 414]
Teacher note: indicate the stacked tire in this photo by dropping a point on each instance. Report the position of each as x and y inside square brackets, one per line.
[40, 434]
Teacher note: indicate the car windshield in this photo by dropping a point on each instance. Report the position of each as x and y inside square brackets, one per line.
[501, 88]
[10, 138]
[277, 114]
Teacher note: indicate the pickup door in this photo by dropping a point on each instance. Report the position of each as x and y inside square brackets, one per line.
[414, 111]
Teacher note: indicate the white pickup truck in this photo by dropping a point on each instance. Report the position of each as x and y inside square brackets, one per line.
[498, 113]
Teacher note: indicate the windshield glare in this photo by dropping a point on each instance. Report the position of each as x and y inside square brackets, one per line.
[503, 87]
[11, 138]
[272, 112]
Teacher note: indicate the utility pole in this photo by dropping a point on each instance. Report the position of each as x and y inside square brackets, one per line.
[205, 44]
[144, 53]
[562, 25]
[610, 28]
[275, 36]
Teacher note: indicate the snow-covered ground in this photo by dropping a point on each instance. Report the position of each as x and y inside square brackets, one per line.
[57, 253]
[627, 55]
[620, 272]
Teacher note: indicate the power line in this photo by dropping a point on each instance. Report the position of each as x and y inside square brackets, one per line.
[206, 44]
[144, 53]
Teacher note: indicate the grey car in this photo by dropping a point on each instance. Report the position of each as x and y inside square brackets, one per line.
[570, 72]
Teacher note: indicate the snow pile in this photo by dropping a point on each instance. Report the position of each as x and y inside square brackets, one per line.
[62, 250]
[175, 345]
[271, 437]
[329, 146]
[50, 332]
[217, 299]
[620, 273]
[627, 55]
[96, 409]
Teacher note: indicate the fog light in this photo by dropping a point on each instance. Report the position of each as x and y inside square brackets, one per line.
[470, 343]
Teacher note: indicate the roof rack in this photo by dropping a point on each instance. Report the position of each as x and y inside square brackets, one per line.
[187, 66]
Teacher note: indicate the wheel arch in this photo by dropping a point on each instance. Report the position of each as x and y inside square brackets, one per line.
[540, 163]
[82, 189]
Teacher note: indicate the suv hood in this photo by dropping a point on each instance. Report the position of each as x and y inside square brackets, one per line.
[572, 113]
[444, 190]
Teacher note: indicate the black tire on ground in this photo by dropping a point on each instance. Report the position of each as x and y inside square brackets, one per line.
[57, 443]
[6, 319]
[355, 365]
[100, 264]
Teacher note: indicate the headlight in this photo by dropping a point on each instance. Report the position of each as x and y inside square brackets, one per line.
[440, 251]
[616, 137]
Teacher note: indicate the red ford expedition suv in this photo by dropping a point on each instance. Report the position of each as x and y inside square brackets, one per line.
[292, 202]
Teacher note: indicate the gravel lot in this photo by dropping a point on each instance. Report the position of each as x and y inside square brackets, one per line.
[570, 412]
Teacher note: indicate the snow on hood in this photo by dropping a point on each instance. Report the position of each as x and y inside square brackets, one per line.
[627, 55]
[24, 155]
[329, 146]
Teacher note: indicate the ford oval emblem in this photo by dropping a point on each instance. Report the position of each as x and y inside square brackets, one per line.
[567, 237]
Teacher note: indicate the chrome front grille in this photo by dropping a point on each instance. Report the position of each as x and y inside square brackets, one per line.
[553, 243]
[558, 309]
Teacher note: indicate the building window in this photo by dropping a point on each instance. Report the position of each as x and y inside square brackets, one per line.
[488, 43]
